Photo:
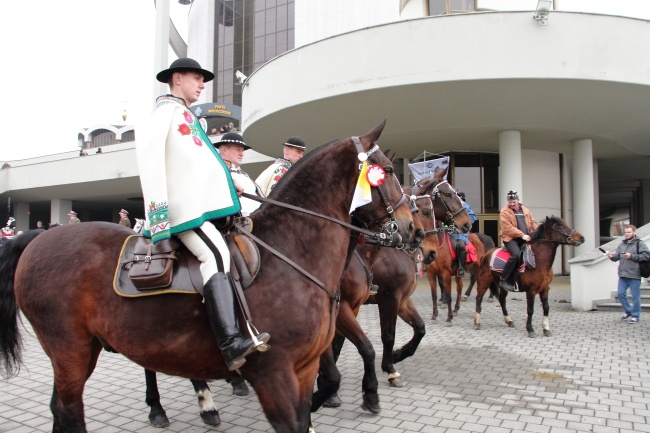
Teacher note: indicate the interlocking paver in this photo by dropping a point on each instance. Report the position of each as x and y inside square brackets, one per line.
[591, 375]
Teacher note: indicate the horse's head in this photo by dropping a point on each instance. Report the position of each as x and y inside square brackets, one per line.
[554, 229]
[389, 210]
[447, 205]
[423, 210]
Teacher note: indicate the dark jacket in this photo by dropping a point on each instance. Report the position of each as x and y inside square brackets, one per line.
[630, 268]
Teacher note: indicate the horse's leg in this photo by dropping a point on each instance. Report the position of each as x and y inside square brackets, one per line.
[447, 290]
[459, 291]
[431, 276]
[347, 325]
[472, 281]
[443, 293]
[409, 314]
[285, 395]
[329, 380]
[530, 309]
[208, 410]
[337, 344]
[239, 386]
[71, 371]
[543, 296]
[388, 310]
[483, 283]
[503, 294]
[157, 416]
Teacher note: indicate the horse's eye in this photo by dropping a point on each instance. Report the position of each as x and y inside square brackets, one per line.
[426, 213]
[389, 170]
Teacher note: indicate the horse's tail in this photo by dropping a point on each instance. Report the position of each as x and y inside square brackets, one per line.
[10, 339]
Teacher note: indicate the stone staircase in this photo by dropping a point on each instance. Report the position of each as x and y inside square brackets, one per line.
[613, 304]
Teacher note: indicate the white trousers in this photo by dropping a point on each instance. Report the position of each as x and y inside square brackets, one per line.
[204, 251]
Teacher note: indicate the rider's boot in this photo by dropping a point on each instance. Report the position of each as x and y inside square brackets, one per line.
[462, 261]
[222, 314]
[504, 281]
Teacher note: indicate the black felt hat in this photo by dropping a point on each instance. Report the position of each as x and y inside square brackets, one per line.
[232, 138]
[184, 64]
[296, 142]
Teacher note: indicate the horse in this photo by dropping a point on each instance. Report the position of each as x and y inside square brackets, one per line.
[551, 233]
[355, 285]
[62, 281]
[395, 275]
[446, 266]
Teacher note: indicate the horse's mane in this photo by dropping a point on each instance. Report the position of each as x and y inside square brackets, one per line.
[537, 234]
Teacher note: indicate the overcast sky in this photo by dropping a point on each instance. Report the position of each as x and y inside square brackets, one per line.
[74, 64]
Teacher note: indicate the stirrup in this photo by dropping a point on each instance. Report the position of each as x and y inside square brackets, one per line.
[373, 289]
[460, 272]
[260, 346]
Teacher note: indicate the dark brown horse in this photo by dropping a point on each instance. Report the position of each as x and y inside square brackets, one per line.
[355, 284]
[551, 233]
[62, 281]
[445, 267]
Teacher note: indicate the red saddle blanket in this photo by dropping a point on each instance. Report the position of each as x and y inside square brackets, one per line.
[472, 252]
[499, 258]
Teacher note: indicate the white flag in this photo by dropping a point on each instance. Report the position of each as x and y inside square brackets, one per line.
[425, 169]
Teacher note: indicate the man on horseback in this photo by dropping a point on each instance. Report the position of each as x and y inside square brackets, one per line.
[516, 223]
[294, 149]
[462, 239]
[232, 148]
[179, 169]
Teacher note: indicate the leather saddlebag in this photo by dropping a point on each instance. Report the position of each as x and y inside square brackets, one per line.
[152, 265]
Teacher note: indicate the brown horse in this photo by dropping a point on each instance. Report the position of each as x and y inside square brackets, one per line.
[355, 284]
[544, 242]
[62, 281]
[445, 267]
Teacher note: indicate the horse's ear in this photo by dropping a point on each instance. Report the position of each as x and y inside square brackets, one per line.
[439, 173]
[373, 134]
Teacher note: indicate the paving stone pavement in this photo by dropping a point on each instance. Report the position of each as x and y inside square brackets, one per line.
[591, 375]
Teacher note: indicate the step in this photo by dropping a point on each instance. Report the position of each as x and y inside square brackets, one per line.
[615, 306]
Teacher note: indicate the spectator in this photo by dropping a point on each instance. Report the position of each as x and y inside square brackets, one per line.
[82, 152]
[124, 218]
[6, 165]
[39, 225]
[231, 148]
[99, 150]
[630, 252]
[73, 217]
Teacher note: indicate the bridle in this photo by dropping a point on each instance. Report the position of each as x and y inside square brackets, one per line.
[389, 228]
[436, 193]
[568, 237]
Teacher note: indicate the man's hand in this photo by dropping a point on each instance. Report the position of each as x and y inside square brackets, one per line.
[526, 238]
[238, 186]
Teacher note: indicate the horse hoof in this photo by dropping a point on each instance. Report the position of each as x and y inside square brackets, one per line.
[511, 324]
[333, 401]
[448, 323]
[455, 313]
[490, 299]
[397, 382]
[547, 333]
[434, 317]
[477, 327]
[240, 388]
[464, 298]
[531, 334]
[372, 408]
[211, 418]
[159, 421]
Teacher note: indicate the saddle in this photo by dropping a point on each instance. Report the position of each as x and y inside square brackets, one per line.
[500, 256]
[455, 245]
[147, 269]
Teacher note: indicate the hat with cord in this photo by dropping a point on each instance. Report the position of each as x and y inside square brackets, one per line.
[184, 64]
[232, 138]
[296, 142]
[512, 195]
[123, 212]
[72, 213]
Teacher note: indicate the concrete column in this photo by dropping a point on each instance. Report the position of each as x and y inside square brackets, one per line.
[161, 46]
[59, 211]
[645, 201]
[21, 213]
[584, 192]
[510, 174]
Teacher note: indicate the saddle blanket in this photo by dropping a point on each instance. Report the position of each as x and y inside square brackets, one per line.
[499, 258]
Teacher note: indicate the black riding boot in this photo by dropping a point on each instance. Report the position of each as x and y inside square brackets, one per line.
[462, 261]
[222, 313]
[508, 270]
